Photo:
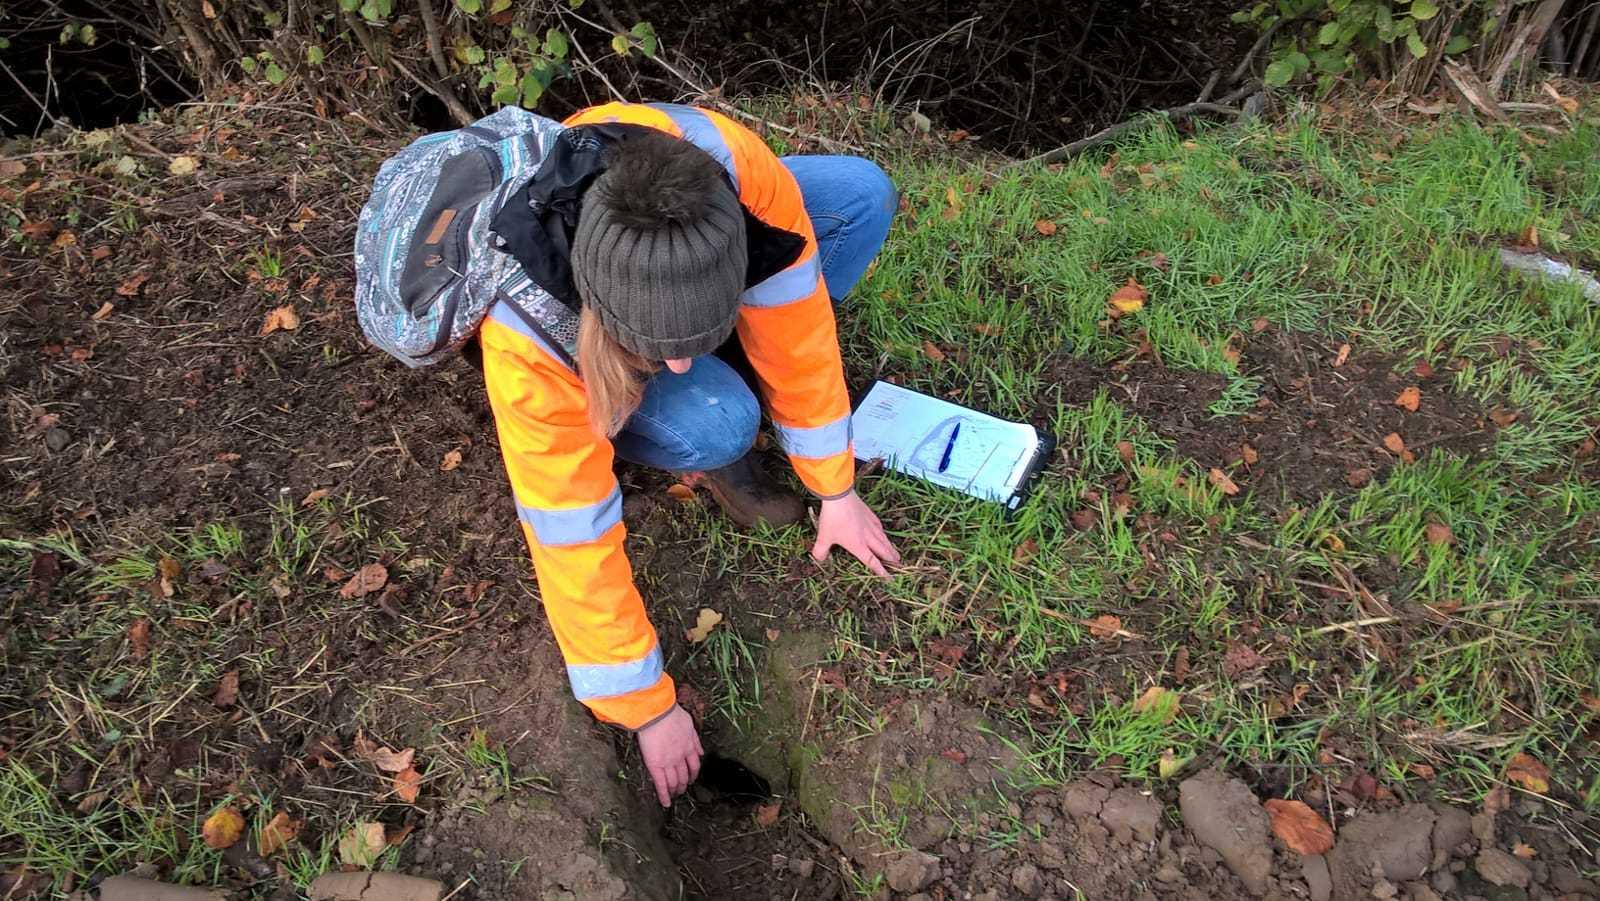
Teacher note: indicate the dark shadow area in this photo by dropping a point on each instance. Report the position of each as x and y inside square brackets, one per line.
[103, 72]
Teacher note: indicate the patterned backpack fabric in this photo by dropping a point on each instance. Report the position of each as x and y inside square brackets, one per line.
[428, 268]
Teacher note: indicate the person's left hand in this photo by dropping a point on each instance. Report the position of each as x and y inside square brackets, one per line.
[849, 523]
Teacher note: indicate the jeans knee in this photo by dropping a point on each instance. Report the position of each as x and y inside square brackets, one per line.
[732, 432]
[880, 197]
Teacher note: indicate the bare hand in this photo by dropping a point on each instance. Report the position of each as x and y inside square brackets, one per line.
[671, 750]
[848, 523]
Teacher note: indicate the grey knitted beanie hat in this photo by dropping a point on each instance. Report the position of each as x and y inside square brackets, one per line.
[659, 251]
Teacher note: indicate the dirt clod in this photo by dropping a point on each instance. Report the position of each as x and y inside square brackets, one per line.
[911, 871]
[374, 887]
[1451, 827]
[1227, 817]
[1314, 869]
[133, 888]
[1131, 816]
[1396, 846]
[1084, 799]
[1499, 868]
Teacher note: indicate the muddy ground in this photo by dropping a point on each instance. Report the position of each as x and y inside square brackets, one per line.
[171, 410]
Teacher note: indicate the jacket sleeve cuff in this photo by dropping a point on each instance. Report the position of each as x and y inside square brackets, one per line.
[636, 709]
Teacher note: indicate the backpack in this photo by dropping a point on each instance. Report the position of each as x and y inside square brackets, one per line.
[428, 268]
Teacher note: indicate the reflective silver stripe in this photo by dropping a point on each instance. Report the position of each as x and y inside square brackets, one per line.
[788, 286]
[607, 680]
[818, 442]
[699, 130]
[512, 318]
[577, 525]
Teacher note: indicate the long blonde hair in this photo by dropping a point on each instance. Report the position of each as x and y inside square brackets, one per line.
[613, 376]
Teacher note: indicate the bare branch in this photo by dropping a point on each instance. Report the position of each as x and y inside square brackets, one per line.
[1105, 135]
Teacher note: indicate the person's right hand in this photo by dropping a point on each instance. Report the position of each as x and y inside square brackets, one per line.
[671, 750]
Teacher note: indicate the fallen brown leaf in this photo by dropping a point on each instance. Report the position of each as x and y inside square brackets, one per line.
[1423, 369]
[283, 317]
[222, 829]
[361, 844]
[314, 496]
[989, 329]
[385, 758]
[1221, 482]
[933, 352]
[1409, 399]
[1213, 280]
[1529, 237]
[279, 831]
[1249, 455]
[1125, 451]
[1045, 227]
[227, 690]
[1529, 773]
[1342, 356]
[1503, 417]
[1240, 658]
[680, 492]
[1358, 478]
[1421, 771]
[451, 460]
[1524, 851]
[1105, 626]
[1299, 827]
[131, 286]
[954, 755]
[367, 579]
[1438, 533]
[1085, 518]
[407, 783]
[1395, 444]
[766, 815]
[139, 638]
[1025, 551]
[105, 311]
[704, 623]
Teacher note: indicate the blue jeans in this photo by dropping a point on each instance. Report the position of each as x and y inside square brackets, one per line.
[707, 417]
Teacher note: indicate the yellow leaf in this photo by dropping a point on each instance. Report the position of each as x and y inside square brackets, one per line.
[183, 165]
[1169, 764]
[222, 829]
[283, 317]
[1159, 701]
[1334, 543]
[361, 844]
[707, 621]
[1529, 773]
[1128, 299]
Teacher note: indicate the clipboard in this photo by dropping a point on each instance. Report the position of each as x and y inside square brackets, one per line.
[949, 445]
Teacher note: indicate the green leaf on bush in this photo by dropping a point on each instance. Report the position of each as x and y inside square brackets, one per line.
[555, 43]
[499, 6]
[275, 73]
[369, 11]
[1458, 44]
[248, 64]
[505, 73]
[349, 6]
[1279, 73]
[474, 55]
[505, 95]
[86, 35]
[1329, 62]
[1416, 46]
[5, 44]
[532, 90]
[314, 55]
[470, 7]
[1300, 62]
[1328, 33]
[647, 38]
[619, 43]
[1423, 9]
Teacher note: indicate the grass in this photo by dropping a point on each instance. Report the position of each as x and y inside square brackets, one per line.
[1386, 241]
[1351, 237]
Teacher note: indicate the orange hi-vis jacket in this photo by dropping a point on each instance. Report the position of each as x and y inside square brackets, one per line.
[567, 496]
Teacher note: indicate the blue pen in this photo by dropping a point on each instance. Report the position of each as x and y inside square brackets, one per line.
[944, 461]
